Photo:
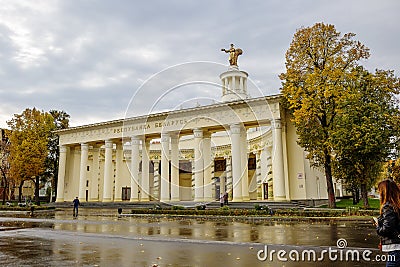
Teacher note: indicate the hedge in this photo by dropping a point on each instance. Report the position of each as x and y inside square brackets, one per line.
[254, 212]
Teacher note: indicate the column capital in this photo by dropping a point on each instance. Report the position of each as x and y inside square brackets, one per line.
[84, 146]
[164, 137]
[198, 132]
[174, 137]
[108, 143]
[135, 140]
[235, 128]
[276, 123]
[63, 149]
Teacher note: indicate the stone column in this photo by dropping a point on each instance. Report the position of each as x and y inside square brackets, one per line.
[193, 180]
[61, 173]
[119, 158]
[164, 184]
[157, 182]
[258, 178]
[135, 160]
[198, 166]
[108, 171]
[266, 168]
[236, 163]
[207, 161]
[277, 162]
[222, 183]
[228, 173]
[245, 165]
[83, 171]
[145, 182]
[94, 181]
[175, 167]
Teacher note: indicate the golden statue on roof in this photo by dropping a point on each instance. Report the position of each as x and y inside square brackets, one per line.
[234, 53]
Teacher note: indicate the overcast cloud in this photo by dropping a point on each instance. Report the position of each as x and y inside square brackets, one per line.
[98, 59]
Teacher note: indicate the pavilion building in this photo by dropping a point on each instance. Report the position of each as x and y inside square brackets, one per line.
[244, 146]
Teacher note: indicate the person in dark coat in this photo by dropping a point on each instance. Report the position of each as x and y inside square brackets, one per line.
[76, 205]
[388, 223]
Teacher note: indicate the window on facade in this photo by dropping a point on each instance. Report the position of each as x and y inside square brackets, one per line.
[126, 193]
[252, 164]
[219, 165]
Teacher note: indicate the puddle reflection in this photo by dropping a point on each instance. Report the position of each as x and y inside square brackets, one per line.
[322, 233]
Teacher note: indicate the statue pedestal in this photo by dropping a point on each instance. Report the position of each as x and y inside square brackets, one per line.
[234, 84]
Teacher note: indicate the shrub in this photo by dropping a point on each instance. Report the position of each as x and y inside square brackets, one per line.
[157, 207]
[178, 207]
[201, 207]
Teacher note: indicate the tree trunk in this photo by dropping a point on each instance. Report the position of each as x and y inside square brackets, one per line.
[329, 181]
[20, 191]
[354, 194]
[5, 186]
[5, 191]
[357, 195]
[364, 195]
[37, 200]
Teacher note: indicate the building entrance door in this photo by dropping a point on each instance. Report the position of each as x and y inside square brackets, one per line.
[265, 190]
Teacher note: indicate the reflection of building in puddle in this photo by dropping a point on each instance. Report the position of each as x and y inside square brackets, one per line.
[293, 233]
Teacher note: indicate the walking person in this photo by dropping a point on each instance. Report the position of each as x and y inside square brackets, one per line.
[388, 223]
[221, 199]
[76, 205]
[226, 198]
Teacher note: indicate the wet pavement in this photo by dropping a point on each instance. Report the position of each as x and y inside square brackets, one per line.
[99, 237]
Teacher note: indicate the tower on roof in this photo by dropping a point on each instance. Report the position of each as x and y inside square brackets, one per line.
[234, 81]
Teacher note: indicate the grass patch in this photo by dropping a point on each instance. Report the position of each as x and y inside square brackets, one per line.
[348, 204]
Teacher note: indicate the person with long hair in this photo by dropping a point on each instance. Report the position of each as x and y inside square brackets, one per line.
[388, 224]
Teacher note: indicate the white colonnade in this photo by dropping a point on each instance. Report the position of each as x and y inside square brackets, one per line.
[168, 182]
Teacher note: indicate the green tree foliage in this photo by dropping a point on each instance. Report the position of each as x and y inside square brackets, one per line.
[61, 121]
[318, 63]
[28, 151]
[366, 128]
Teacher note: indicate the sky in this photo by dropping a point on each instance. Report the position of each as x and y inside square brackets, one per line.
[102, 60]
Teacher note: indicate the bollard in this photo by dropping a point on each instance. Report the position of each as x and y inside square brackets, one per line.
[119, 211]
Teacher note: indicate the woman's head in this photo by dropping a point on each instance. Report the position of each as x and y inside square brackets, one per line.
[389, 192]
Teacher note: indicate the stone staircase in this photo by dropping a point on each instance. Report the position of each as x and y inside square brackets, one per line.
[187, 204]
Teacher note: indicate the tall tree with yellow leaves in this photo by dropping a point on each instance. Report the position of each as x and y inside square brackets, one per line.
[28, 151]
[4, 162]
[318, 63]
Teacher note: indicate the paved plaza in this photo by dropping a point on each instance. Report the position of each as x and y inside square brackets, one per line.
[99, 237]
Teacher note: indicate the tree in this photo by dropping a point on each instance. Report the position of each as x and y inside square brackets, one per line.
[61, 121]
[28, 150]
[367, 128]
[318, 63]
[391, 170]
[4, 162]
